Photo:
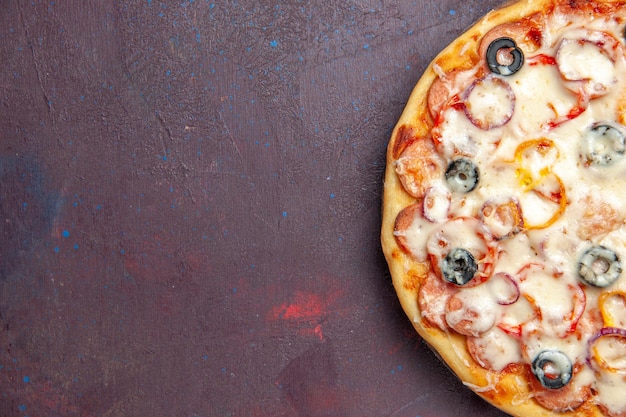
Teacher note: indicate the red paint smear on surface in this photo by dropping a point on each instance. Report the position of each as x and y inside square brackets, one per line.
[51, 399]
[306, 307]
[306, 311]
[395, 348]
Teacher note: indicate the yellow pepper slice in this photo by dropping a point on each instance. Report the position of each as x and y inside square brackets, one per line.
[607, 316]
[534, 159]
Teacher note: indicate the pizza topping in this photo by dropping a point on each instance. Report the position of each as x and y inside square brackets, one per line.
[459, 266]
[558, 304]
[602, 144]
[504, 288]
[519, 316]
[494, 349]
[586, 61]
[598, 219]
[610, 393]
[432, 298]
[445, 89]
[608, 349]
[526, 34]
[437, 203]
[541, 100]
[543, 200]
[552, 368]
[489, 103]
[462, 175]
[408, 229]
[566, 398]
[504, 57]
[461, 251]
[502, 218]
[471, 312]
[613, 308]
[419, 166]
[569, 322]
[599, 266]
[535, 157]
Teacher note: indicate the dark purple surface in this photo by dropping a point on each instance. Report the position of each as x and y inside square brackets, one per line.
[190, 205]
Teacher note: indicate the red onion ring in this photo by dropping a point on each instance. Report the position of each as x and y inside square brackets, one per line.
[604, 332]
[488, 120]
[511, 285]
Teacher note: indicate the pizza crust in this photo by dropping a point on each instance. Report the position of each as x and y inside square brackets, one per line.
[507, 390]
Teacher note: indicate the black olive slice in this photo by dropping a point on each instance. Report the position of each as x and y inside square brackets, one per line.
[516, 53]
[459, 266]
[462, 175]
[602, 144]
[599, 266]
[552, 368]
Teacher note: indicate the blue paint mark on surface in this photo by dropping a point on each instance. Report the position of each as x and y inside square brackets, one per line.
[21, 407]
[66, 233]
[452, 12]
[273, 43]
[332, 195]
[284, 214]
[26, 379]
[22, 176]
[366, 46]
[56, 249]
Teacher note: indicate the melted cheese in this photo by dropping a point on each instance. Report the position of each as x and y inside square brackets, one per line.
[610, 387]
[572, 83]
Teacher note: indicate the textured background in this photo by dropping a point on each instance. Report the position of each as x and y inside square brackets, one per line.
[190, 202]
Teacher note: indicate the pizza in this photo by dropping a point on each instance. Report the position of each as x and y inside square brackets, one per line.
[504, 207]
